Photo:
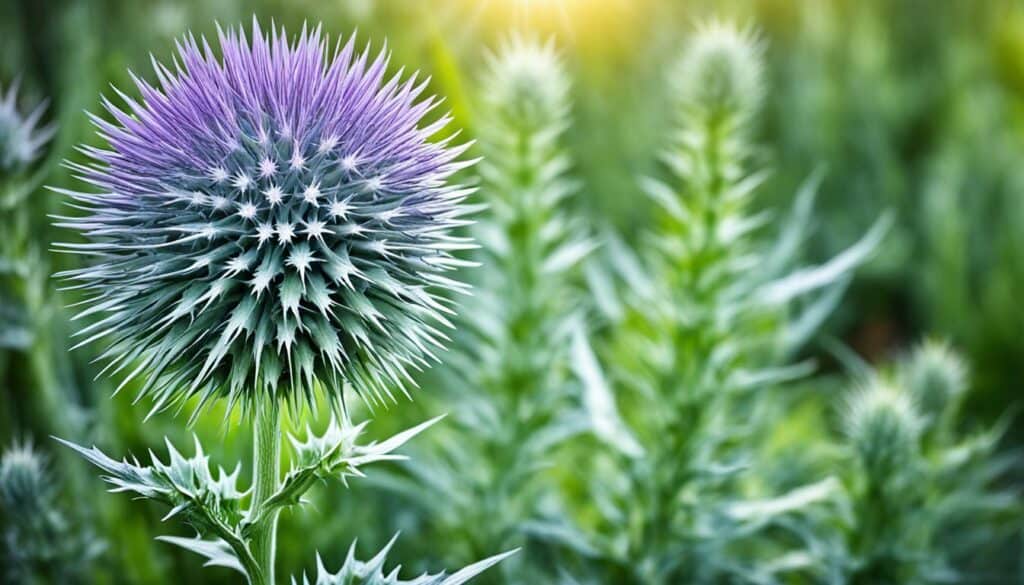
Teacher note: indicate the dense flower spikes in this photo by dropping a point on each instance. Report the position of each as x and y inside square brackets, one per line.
[20, 136]
[268, 221]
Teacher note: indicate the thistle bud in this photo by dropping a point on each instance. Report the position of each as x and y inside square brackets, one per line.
[526, 83]
[936, 376]
[20, 137]
[25, 485]
[883, 427]
[720, 73]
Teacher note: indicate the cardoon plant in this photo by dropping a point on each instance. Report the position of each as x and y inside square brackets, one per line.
[268, 227]
[510, 369]
[709, 317]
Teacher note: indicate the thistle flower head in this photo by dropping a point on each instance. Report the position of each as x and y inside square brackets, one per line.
[269, 220]
[883, 427]
[720, 72]
[526, 82]
[25, 484]
[936, 376]
[20, 137]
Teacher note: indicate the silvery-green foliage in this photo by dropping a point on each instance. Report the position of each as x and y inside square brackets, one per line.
[41, 543]
[268, 222]
[214, 505]
[21, 138]
[335, 454]
[517, 404]
[373, 572]
[913, 508]
[705, 318]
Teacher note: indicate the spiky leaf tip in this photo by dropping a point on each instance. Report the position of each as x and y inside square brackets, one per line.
[373, 572]
[720, 72]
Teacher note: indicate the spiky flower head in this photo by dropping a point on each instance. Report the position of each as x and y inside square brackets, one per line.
[883, 427]
[720, 73]
[268, 222]
[25, 483]
[936, 376]
[526, 83]
[21, 138]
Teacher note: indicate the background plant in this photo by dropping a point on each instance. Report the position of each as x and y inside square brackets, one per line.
[489, 476]
[709, 323]
[922, 501]
[42, 542]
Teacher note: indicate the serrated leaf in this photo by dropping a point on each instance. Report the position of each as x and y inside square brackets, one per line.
[372, 572]
[211, 506]
[335, 454]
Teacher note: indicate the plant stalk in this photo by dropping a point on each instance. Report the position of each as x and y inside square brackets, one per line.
[266, 480]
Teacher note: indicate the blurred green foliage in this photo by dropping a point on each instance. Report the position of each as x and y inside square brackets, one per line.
[911, 106]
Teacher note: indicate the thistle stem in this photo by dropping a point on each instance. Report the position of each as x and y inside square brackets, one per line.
[266, 480]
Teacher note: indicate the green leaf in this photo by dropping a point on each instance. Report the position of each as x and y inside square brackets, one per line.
[806, 280]
[334, 454]
[598, 398]
[217, 552]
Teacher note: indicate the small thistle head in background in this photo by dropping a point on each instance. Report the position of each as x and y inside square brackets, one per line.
[268, 221]
[20, 137]
[883, 427]
[526, 83]
[720, 73]
[26, 487]
[936, 376]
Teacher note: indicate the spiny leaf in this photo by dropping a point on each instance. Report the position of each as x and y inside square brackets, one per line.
[372, 572]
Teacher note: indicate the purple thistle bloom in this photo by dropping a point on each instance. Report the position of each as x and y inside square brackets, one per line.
[269, 222]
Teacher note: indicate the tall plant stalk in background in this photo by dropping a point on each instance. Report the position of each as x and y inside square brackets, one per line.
[920, 503]
[270, 226]
[709, 321]
[510, 370]
[23, 298]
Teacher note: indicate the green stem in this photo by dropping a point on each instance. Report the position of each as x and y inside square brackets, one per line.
[266, 480]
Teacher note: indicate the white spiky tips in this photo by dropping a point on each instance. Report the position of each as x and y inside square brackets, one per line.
[936, 376]
[883, 427]
[720, 73]
[527, 82]
[268, 224]
[21, 138]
